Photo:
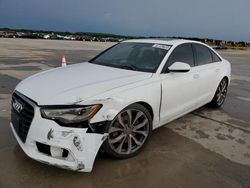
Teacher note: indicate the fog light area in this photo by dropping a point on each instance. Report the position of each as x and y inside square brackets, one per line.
[55, 152]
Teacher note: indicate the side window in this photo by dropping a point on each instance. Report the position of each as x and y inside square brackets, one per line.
[203, 54]
[215, 57]
[182, 53]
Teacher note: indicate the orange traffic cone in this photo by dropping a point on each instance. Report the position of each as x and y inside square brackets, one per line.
[64, 62]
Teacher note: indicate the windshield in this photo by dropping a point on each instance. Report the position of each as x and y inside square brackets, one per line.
[144, 57]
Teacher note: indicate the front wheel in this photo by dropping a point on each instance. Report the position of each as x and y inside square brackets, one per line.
[129, 132]
[220, 94]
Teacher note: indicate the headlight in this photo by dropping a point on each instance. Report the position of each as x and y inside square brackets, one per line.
[70, 114]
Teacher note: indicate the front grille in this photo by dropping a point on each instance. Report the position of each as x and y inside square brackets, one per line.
[22, 114]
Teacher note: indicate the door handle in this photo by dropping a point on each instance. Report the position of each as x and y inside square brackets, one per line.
[217, 70]
[196, 76]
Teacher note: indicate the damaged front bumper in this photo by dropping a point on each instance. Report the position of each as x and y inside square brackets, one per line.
[65, 147]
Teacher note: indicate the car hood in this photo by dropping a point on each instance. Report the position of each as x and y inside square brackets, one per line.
[75, 83]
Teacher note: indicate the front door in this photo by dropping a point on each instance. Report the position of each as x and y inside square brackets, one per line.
[179, 90]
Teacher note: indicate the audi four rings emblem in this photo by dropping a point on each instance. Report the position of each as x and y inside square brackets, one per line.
[17, 106]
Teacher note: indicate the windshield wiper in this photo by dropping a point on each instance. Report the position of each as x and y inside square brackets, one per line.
[129, 66]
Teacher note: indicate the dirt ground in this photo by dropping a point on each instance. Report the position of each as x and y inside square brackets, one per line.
[206, 148]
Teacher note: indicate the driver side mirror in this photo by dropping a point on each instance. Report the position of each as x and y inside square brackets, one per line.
[179, 67]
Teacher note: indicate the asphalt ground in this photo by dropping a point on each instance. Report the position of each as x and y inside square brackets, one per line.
[205, 148]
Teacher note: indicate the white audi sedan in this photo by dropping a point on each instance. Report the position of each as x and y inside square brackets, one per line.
[64, 116]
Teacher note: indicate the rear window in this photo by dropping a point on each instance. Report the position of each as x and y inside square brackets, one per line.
[215, 57]
[203, 54]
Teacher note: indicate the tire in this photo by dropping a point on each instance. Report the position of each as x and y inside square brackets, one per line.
[220, 94]
[129, 132]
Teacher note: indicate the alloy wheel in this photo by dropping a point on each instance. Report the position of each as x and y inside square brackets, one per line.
[128, 131]
[221, 92]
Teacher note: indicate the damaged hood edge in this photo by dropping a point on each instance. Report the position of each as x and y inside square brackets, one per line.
[76, 83]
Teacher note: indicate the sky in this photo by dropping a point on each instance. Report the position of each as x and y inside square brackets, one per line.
[218, 19]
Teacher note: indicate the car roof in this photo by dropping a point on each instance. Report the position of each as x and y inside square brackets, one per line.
[167, 41]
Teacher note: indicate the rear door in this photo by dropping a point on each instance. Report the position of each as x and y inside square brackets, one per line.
[179, 90]
[208, 70]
